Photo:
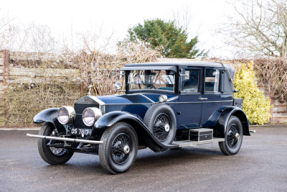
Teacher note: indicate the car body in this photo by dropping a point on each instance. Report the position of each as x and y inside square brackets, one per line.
[165, 106]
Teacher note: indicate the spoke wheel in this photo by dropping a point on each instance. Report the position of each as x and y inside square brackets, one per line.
[233, 137]
[161, 122]
[161, 127]
[119, 149]
[55, 150]
[52, 155]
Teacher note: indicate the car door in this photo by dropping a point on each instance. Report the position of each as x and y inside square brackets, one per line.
[211, 98]
[190, 105]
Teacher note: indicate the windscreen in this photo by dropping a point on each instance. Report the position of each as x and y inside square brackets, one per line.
[151, 80]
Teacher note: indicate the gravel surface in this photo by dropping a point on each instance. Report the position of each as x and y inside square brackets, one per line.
[260, 165]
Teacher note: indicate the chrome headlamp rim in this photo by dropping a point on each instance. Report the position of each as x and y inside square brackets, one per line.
[96, 114]
[70, 113]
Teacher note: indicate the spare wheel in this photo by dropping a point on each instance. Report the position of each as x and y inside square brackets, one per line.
[161, 121]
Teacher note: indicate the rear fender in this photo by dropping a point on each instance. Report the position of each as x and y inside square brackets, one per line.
[219, 119]
[144, 135]
[49, 115]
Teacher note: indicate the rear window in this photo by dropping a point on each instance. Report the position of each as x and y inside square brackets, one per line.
[212, 80]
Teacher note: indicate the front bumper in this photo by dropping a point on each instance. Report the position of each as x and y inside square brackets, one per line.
[65, 139]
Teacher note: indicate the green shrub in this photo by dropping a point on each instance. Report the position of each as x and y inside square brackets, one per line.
[255, 105]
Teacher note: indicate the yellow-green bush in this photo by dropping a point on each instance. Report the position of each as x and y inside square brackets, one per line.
[255, 105]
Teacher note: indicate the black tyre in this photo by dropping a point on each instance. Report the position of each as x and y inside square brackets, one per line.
[161, 121]
[119, 149]
[233, 137]
[52, 155]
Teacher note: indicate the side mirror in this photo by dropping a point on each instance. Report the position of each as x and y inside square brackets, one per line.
[118, 85]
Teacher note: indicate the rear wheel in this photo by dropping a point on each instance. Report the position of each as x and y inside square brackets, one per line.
[119, 149]
[52, 155]
[233, 137]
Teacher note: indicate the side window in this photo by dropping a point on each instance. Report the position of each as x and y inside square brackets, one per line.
[212, 77]
[191, 80]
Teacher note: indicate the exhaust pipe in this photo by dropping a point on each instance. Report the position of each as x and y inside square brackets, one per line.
[65, 139]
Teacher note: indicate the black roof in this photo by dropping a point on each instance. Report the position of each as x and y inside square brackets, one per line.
[196, 63]
[172, 66]
[228, 79]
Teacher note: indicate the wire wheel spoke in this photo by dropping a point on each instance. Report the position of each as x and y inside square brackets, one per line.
[231, 136]
[117, 150]
[55, 150]
[159, 130]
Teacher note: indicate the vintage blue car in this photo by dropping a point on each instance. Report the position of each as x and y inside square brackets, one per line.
[165, 106]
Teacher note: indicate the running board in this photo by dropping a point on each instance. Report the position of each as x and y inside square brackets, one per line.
[65, 139]
[187, 143]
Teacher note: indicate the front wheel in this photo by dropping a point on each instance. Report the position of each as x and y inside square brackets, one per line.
[52, 155]
[233, 137]
[119, 149]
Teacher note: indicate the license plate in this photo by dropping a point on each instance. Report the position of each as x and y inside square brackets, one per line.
[80, 131]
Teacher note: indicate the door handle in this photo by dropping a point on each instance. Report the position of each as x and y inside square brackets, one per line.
[202, 99]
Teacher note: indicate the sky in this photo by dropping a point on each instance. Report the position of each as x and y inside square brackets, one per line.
[66, 18]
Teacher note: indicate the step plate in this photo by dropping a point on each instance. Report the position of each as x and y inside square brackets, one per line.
[187, 143]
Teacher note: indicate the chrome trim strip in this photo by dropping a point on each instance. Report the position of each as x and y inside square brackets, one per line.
[184, 102]
[128, 104]
[217, 101]
[172, 98]
[65, 139]
[168, 102]
[100, 102]
[200, 102]
[143, 96]
[146, 97]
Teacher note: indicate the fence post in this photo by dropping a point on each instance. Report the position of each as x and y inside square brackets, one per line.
[2, 107]
[5, 83]
[271, 98]
[81, 74]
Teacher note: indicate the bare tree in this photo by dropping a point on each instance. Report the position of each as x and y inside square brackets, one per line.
[183, 17]
[261, 26]
[5, 29]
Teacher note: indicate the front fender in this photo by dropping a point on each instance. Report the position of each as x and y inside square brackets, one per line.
[49, 115]
[219, 119]
[143, 133]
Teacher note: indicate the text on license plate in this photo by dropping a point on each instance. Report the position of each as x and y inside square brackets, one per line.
[76, 131]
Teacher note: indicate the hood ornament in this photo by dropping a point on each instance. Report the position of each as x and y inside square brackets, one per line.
[89, 87]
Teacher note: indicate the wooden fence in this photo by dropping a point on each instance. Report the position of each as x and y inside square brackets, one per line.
[14, 75]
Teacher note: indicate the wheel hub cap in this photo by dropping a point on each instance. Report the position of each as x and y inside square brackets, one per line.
[237, 136]
[126, 149]
[166, 127]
